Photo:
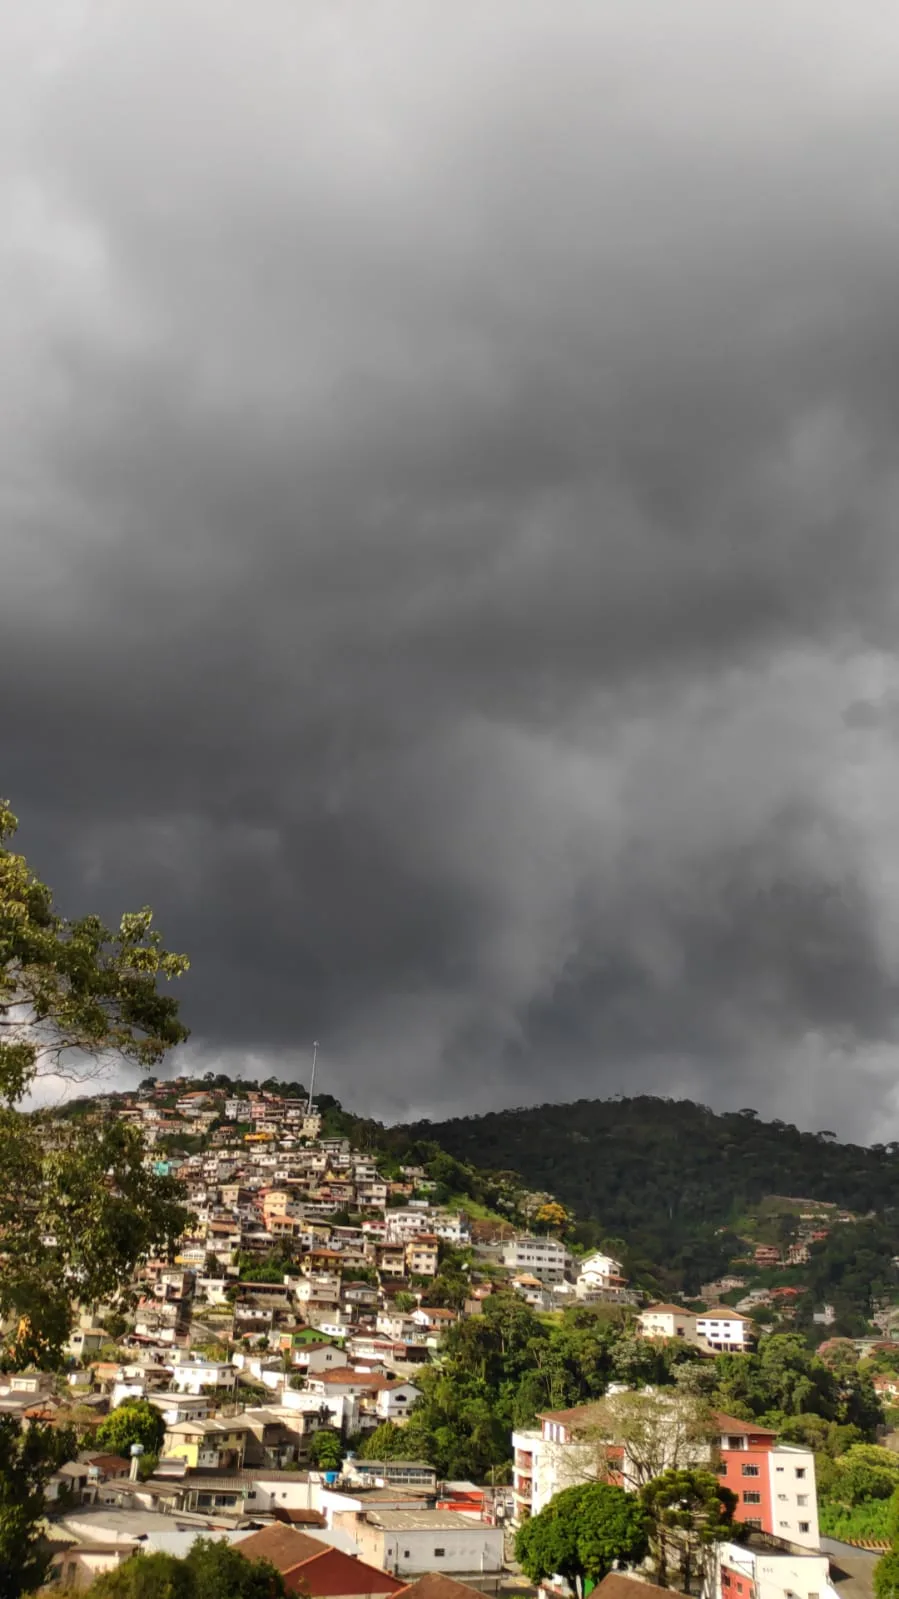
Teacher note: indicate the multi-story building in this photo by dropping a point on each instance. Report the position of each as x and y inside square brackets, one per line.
[722, 1328]
[667, 1321]
[774, 1483]
[545, 1258]
[561, 1454]
[422, 1256]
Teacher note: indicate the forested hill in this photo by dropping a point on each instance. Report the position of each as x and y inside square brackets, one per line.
[660, 1172]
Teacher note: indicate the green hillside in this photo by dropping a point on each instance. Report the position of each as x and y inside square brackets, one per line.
[671, 1178]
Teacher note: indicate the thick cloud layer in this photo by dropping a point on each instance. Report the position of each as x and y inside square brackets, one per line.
[449, 532]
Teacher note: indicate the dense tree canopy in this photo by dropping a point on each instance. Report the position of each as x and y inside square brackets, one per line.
[211, 1570]
[582, 1532]
[134, 1421]
[668, 1176]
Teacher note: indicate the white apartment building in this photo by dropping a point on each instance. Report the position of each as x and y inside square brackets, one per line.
[545, 1258]
[724, 1329]
[549, 1458]
[771, 1574]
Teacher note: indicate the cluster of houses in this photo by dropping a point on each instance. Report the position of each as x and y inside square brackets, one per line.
[299, 1301]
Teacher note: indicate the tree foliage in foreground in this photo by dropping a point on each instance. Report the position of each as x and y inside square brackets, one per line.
[76, 1213]
[28, 1459]
[582, 1533]
[211, 1570]
[886, 1576]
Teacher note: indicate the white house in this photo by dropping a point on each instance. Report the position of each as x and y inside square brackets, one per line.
[191, 1377]
[601, 1271]
[407, 1542]
[724, 1328]
[667, 1321]
[174, 1407]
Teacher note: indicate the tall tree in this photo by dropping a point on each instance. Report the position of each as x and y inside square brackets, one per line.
[76, 1213]
[28, 1459]
[688, 1512]
[658, 1431]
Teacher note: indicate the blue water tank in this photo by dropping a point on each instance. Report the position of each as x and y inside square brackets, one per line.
[331, 1477]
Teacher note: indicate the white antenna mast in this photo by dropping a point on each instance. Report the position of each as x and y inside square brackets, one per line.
[311, 1105]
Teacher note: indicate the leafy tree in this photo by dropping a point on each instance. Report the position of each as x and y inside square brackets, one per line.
[582, 1533]
[388, 1442]
[75, 1213]
[689, 1512]
[551, 1218]
[886, 1576]
[658, 1430]
[134, 1421]
[75, 989]
[211, 1570]
[325, 1450]
[28, 1459]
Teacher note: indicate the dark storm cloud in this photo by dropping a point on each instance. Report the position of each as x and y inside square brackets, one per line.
[449, 532]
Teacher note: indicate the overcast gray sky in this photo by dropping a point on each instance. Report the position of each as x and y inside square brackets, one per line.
[449, 552]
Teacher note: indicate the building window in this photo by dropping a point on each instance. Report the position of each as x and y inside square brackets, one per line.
[800, 1471]
[439, 1552]
[753, 1521]
[802, 1500]
[749, 1471]
[752, 1498]
[803, 1526]
[734, 1443]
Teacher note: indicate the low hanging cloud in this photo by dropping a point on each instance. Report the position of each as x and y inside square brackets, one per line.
[448, 556]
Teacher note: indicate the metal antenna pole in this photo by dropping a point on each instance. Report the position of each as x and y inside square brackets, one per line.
[312, 1080]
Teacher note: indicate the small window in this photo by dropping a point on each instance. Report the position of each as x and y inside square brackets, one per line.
[753, 1521]
[803, 1526]
[800, 1471]
[752, 1498]
[734, 1443]
[802, 1500]
[749, 1471]
[439, 1552]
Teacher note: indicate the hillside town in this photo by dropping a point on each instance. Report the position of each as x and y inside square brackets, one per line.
[300, 1315]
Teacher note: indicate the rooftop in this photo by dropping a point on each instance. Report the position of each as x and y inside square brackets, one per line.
[414, 1520]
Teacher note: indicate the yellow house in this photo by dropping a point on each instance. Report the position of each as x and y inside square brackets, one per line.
[214, 1444]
